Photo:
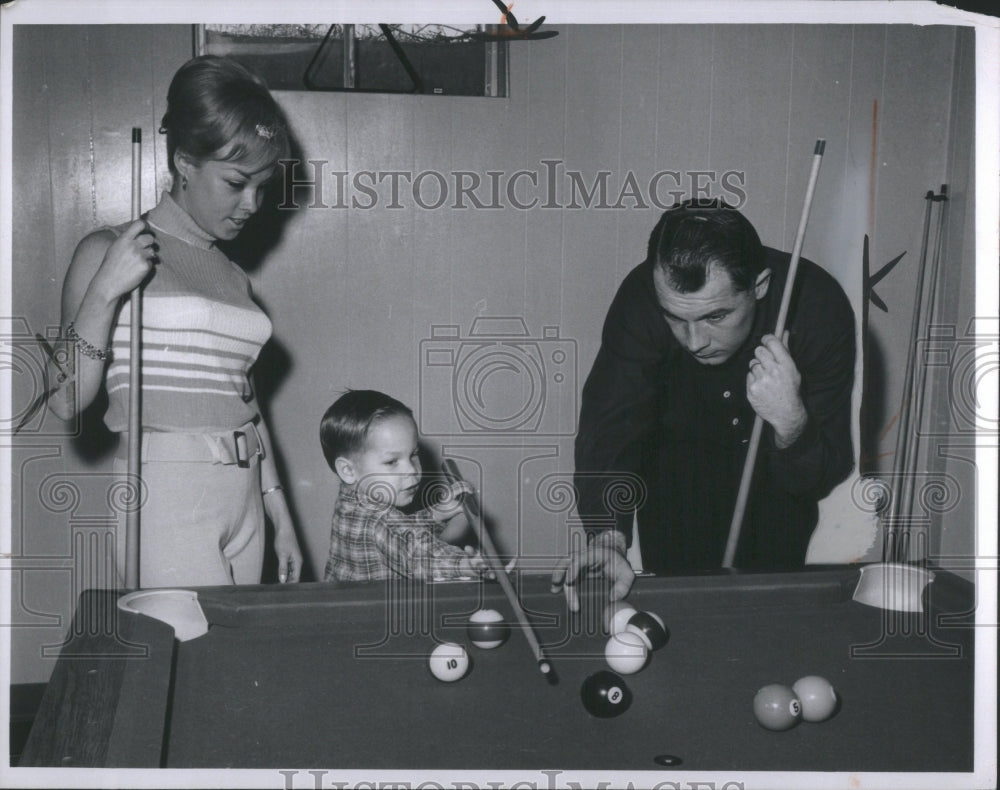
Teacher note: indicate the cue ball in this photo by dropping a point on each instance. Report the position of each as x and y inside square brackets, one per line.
[649, 628]
[449, 662]
[604, 695]
[487, 629]
[817, 697]
[616, 616]
[626, 653]
[776, 707]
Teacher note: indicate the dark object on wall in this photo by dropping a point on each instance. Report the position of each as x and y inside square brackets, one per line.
[425, 59]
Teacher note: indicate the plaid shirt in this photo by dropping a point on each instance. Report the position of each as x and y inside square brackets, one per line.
[371, 541]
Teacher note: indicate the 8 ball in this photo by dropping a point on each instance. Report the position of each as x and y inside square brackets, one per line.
[605, 695]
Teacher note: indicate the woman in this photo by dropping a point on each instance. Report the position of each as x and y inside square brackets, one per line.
[208, 472]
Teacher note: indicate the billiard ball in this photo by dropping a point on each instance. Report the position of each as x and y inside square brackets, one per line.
[605, 694]
[449, 662]
[626, 653]
[776, 707]
[817, 697]
[616, 616]
[487, 629]
[650, 628]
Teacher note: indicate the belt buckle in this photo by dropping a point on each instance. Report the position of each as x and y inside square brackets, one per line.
[240, 442]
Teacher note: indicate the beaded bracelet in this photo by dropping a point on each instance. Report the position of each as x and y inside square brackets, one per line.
[87, 349]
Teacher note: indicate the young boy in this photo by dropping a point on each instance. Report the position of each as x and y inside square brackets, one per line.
[370, 441]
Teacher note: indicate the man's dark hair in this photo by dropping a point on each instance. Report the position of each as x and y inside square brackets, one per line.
[344, 428]
[695, 234]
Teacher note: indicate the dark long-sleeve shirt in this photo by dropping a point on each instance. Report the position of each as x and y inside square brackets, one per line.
[652, 413]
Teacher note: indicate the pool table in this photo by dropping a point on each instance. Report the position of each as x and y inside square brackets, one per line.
[327, 676]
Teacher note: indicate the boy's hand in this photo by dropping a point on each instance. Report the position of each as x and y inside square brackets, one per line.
[450, 505]
[474, 563]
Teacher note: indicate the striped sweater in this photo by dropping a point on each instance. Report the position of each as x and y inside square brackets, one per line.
[201, 333]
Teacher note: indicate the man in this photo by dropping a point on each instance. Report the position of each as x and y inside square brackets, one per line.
[686, 361]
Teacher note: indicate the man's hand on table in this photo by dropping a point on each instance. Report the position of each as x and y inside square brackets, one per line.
[603, 556]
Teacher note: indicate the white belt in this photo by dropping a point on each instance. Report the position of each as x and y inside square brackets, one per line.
[223, 447]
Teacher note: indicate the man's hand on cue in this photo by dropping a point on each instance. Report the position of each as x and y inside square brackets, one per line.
[605, 555]
[773, 390]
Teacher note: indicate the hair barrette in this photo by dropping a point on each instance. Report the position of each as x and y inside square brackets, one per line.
[264, 131]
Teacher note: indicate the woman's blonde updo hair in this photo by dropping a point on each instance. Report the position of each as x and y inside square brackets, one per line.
[219, 110]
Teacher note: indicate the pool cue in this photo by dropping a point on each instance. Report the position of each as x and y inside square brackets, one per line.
[473, 513]
[907, 446]
[892, 551]
[739, 511]
[134, 388]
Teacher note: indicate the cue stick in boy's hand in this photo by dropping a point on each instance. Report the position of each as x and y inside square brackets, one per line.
[473, 513]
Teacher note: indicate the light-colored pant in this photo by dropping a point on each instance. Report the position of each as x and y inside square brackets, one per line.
[201, 523]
